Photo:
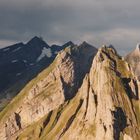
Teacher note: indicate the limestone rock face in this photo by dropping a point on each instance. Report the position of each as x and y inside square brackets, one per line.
[47, 91]
[133, 59]
[116, 117]
[97, 99]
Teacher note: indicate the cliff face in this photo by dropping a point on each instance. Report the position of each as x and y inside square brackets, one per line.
[97, 99]
[133, 59]
[112, 82]
[48, 90]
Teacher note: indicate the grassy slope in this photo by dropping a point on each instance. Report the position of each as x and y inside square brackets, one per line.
[19, 98]
[57, 122]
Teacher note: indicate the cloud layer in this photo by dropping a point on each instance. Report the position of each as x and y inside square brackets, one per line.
[95, 21]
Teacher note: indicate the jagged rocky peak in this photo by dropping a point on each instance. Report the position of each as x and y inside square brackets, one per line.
[85, 44]
[61, 80]
[107, 53]
[37, 41]
[138, 47]
[116, 92]
[86, 48]
[69, 43]
[133, 58]
[35, 38]
[105, 105]
[136, 51]
[108, 49]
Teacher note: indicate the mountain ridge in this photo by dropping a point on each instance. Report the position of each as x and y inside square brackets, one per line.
[133, 58]
[104, 105]
[21, 62]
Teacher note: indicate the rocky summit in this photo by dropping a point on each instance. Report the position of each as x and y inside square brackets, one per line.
[85, 94]
[133, 58]
[21, 62]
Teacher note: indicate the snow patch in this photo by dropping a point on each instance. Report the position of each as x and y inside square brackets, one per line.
[14, 61]
[16, 49]
[25, 61]
[18, 74]
[31, 64]
[45, 52]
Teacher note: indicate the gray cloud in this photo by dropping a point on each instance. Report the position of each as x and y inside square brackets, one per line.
[96, 21]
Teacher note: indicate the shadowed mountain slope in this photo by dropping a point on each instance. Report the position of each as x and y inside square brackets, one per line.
[20, 63]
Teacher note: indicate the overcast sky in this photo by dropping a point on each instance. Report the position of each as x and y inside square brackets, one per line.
[98, 22]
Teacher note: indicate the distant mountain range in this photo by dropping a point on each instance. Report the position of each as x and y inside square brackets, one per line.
[69, 92]
[19, 63]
